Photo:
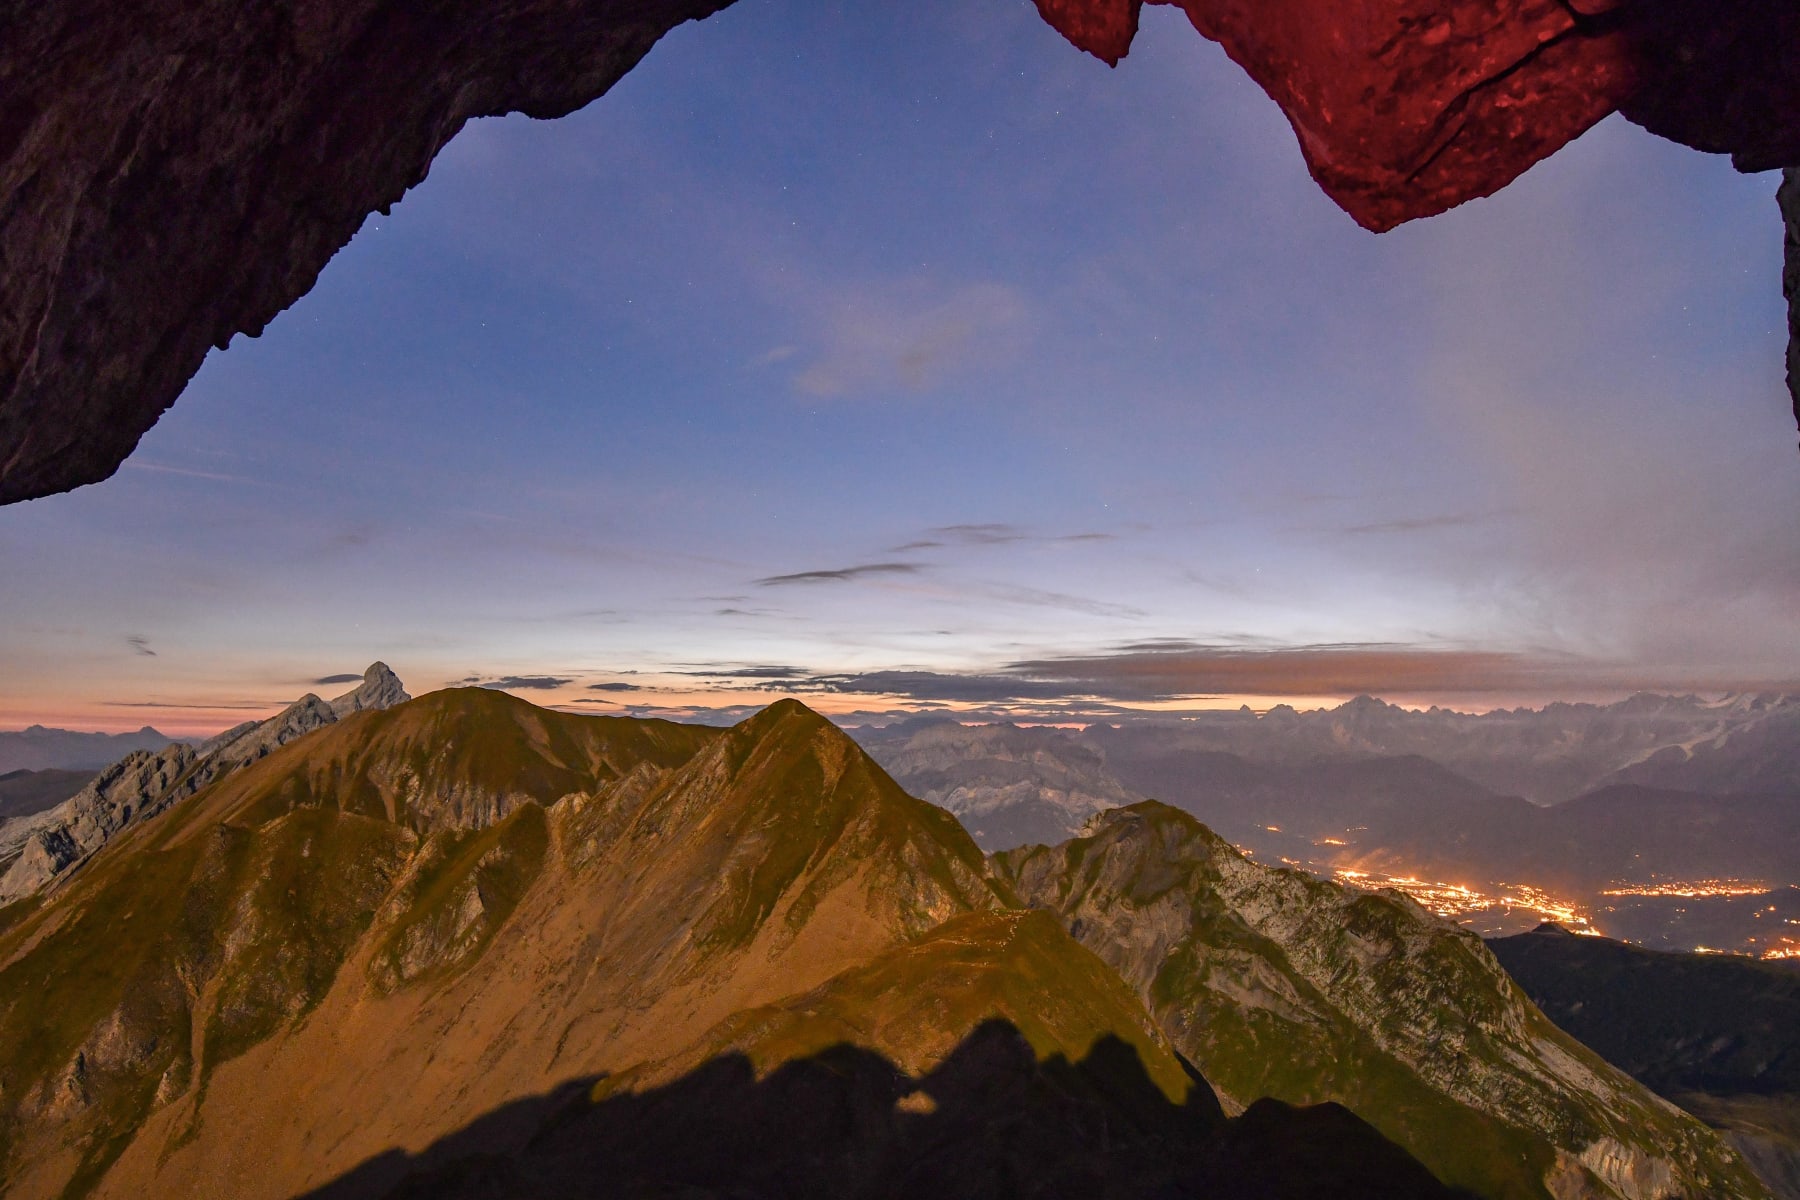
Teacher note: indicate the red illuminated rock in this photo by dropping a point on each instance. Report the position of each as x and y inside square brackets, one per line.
[176, 172]
[1404, 108]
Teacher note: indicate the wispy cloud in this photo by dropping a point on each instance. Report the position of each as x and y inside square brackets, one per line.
[1040, 598]
[990, 534]
[141, 645]
[842, 574]
[137, 464]
[1174, 669]
[752, 671]
[773, 355]
[1420, 524]
[912, 336]
[247, 705]
[330, 679]
[614, 686]
[508, 683]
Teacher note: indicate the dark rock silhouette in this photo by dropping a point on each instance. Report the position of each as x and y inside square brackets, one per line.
[989, 1121]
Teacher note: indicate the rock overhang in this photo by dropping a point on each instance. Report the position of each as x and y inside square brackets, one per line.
[178, 172]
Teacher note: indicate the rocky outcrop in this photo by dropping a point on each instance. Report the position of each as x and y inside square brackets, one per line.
[1276, 983]
[144, 784]
[176, 172]
[1404, 108]
[347, 977]
[380, 688]
[135, 788]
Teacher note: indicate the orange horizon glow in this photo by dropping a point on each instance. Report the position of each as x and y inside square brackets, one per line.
[677, 698]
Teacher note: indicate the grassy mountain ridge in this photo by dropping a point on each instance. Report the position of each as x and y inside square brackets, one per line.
[1276, 983]
[350, 886]
[1032, 1070]
[409, 921]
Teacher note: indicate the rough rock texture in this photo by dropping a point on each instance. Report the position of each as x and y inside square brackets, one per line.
[1716, 1033]
[1405, 108]
[1276, 983]
[144, 784]
[725, 962]
[359, 991]
[655, 880]
[129, 789]
[175, 172]
[380, 688]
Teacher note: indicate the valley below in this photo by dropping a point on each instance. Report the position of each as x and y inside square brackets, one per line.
[1670, 822]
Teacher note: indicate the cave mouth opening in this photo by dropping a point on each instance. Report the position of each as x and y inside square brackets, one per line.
[176, 173]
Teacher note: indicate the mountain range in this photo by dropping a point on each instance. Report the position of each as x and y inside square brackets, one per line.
[37, 748]
[1049, 778]
[464, 946]
[37, 848]
[1369, 790]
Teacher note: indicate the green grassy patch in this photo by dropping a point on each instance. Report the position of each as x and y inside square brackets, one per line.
[497, 865]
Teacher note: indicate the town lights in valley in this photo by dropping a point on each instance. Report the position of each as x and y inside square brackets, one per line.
[1456, 901]
[1696, 890]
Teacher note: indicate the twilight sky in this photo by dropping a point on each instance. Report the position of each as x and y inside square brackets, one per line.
[901, 356]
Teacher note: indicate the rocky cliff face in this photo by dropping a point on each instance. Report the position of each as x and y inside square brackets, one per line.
[176, 172]
[1276, 983]
[1404, 108]
[144, 784]
[380, 688]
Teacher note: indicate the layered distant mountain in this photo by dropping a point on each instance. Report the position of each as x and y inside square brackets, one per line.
[1009, 786]
[25, 793]
[1369, 790]
[1020, 784]
[39, 749]
[467, 947]
[1747, 743]
[1410, 815]
[39, 849]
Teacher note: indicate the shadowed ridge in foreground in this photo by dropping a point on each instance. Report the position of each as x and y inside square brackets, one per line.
[991, 1119]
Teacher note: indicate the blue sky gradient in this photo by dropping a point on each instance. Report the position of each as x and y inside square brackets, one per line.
[1079, 358]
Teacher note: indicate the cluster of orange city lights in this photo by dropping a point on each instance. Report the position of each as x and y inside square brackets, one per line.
[1496, 908]
[1454, 900]
[1695, 890]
